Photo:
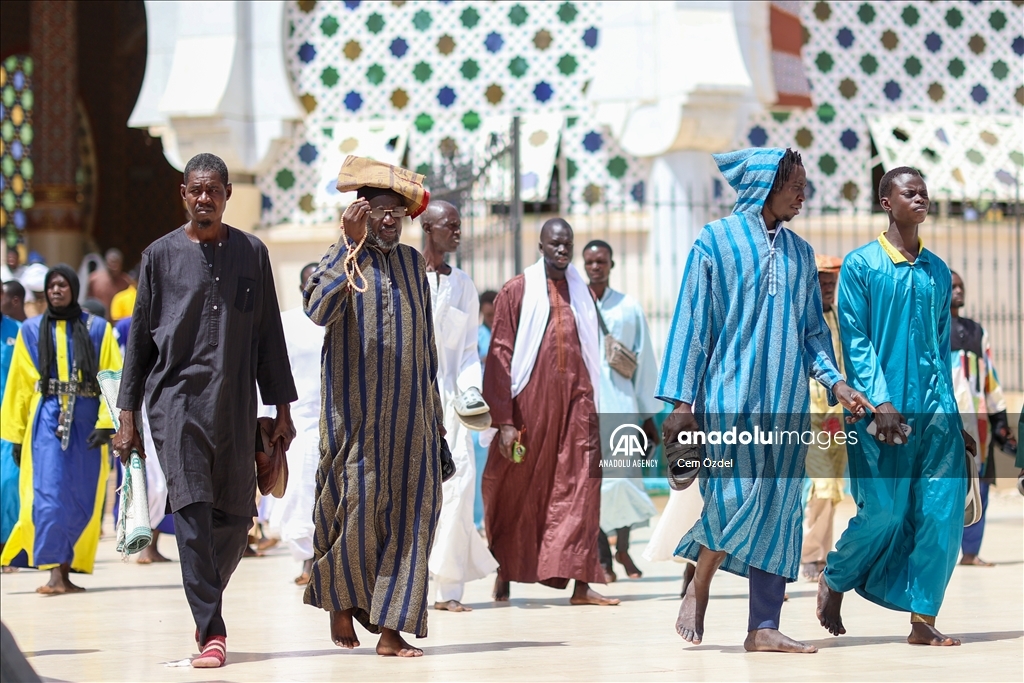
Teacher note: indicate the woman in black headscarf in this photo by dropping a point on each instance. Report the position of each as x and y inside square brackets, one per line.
[52, 413]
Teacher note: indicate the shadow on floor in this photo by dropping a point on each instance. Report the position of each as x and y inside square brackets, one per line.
[107, 589]
[368, 645]
[966, 638]
[45, 653]
[855, 641]
[243, 657]
[560, 601]
[468, 648]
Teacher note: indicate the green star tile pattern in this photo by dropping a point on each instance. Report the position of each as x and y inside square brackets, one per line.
[329, 26]
[518, 67]
[518, 15]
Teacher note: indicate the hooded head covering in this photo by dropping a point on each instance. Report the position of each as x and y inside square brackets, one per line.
[751, 173]
[360, 173]
[84, 353]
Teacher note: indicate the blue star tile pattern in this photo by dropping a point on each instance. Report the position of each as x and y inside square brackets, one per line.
[637, 192]
[307, 53]
[979, 94]
[758, 136]
[849, 139]
[353, 101]
[352, 4]
[446, 96]
[845, 37]
[399, 47]
[893, 91]
[494, 41]
[542, 91]
[308, 153]
[933, 41]
[592, 141]
[590, 37]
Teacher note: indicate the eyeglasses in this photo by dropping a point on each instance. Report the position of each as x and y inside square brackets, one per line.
[397, 212]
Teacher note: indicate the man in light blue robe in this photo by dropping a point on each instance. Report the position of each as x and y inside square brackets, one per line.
[624, 400]
[748, 331]
[900, 549]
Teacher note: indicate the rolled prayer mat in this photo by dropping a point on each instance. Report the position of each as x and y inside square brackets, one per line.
[133, 530]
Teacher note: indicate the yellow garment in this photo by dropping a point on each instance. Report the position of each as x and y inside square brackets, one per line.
[893, 253]
[825, 465]
[18, 414]
[123, 304]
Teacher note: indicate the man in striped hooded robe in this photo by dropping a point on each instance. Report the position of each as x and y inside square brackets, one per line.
[748, 331]
[378, 486]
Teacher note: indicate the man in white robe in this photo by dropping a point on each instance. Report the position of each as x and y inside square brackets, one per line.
[625, 504]
[291, 517]
[459, 553]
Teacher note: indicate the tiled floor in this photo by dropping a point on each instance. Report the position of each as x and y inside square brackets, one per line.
[134, 619]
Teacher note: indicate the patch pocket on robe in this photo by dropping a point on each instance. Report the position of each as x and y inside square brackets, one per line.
[455, 326]
[245, 295]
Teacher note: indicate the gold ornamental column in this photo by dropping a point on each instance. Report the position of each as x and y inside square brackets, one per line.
[55, 222]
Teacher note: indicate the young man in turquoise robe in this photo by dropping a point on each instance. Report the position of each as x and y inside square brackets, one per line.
[900, 548]
[748, 331]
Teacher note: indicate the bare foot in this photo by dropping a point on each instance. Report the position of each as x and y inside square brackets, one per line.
[150, 554]
[771, 640]
[829, 607]
[502, 590]
[686, 622]
[609, 576]
[392, 644]
[452, 606]
[623, 558]
[343, 632]
[59, 583]
[10, 570]
[975, 561]
[583, 594]
[925, 634]
[265, 544]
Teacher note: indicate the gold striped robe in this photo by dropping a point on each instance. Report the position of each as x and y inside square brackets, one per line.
[378, 487]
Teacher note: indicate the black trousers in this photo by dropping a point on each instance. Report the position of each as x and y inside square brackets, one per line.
[210, 545]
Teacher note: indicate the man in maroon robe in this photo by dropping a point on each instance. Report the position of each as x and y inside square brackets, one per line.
[542, 513]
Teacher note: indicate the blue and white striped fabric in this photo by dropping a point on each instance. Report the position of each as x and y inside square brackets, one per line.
[748, 331]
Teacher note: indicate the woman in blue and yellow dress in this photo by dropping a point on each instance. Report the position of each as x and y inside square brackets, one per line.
[53, 414]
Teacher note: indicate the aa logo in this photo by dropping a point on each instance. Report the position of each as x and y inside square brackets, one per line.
[628, 441]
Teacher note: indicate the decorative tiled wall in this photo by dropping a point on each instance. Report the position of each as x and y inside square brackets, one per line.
[444, 66]
[865, 58]
[16, 134]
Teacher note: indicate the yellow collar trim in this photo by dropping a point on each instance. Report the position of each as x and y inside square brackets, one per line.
[894, 254]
